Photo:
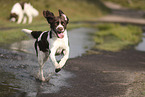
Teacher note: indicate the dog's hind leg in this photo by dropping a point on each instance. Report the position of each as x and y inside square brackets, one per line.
[30, 19]
[42, 58]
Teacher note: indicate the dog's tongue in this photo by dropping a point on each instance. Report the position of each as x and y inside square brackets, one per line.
[60, 35]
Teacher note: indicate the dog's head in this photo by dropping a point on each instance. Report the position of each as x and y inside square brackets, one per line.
[13, 17]
[57, 23]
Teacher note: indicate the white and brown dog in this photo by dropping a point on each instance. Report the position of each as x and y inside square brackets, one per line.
[20, 11]
[50, 43]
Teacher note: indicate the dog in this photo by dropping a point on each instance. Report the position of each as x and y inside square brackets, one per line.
[50, 43]
[20, 11]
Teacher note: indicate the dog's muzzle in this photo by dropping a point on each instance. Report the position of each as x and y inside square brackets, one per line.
[60, 33]
[13, 19]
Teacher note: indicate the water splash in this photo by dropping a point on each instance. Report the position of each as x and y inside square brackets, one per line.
[20, 68]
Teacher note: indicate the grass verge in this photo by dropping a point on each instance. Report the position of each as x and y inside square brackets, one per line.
[76, 10]
[109, 37]
[13, 33]
[115, 37]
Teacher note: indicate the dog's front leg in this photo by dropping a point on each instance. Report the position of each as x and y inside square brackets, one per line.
[52, 57]
[24, 20]
[64, 59]
[20, 17]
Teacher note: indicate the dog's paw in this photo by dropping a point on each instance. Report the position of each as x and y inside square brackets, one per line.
[40, 80]
[57, 70]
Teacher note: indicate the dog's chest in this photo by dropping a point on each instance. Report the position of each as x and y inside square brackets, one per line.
[45, 43]
[58, 43]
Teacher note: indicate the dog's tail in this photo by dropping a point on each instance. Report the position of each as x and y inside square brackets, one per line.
[34, 34]
[27, 31]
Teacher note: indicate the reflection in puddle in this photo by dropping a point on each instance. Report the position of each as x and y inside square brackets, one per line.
[17, 77]
[33, 87]
[21, 71]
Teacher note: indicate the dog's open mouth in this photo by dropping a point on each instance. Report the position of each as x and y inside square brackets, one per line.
[60, 35]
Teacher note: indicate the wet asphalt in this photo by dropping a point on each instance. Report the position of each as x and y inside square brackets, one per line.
[102, 75]
[106, 74]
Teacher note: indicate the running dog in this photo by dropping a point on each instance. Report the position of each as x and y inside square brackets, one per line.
[20, 11]
[50, 43]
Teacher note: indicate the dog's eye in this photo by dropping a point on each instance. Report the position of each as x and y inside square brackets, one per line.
[63, 23]
[56, 23]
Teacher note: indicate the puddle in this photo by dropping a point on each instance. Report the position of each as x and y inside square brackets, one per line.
[17, 69]
[17, 76]
[79, 39]
[141, 46]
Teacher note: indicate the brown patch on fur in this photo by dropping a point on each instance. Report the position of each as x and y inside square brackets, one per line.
[22, 5]
[14, 15]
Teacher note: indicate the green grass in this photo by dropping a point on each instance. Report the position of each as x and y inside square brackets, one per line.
[114, 37]
[14, 34]
[76, 10]
[110, 37]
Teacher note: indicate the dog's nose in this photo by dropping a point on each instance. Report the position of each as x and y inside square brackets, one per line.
[60, 29]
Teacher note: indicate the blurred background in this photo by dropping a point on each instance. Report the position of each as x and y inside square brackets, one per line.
[76, 10]
[82, 13]
[95, 25]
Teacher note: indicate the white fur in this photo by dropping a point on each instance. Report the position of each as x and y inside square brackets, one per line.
[55, 44]
[60, 26]
[64, 16]
[28, 32]
[42, 58]
[28, 10]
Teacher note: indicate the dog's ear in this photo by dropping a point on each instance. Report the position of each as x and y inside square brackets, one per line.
[65, 17]
[49, 16]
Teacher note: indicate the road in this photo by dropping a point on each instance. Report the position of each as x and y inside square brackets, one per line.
[106, 74]
[103, 75]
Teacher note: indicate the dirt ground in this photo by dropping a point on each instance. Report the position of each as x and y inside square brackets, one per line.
[106, 74]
